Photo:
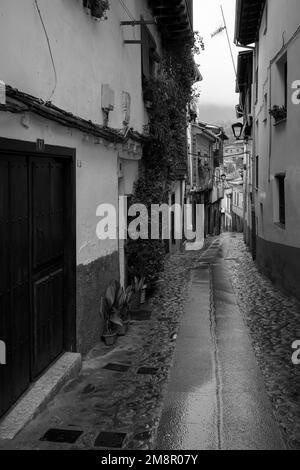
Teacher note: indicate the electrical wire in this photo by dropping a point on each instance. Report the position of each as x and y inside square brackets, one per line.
[126, 9]
[50, 50]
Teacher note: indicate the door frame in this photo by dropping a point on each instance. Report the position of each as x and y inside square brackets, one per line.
[34, 149]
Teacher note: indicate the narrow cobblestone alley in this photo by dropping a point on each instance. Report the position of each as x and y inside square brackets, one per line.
[216, 396]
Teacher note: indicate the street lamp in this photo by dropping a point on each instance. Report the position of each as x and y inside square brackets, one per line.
[237, 129]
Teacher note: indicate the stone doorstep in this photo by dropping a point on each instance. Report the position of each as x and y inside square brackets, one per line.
[40, 394]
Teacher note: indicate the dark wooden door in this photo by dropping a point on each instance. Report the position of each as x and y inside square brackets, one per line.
[14, 279]
[32, 269]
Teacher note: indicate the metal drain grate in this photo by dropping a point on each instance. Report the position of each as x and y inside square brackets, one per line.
[116, 367]
[67, 436]
[147, 370]
[140, 315]
[114, 440]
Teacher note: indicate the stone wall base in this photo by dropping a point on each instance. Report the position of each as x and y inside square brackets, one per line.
[281, 264]
[92, 281]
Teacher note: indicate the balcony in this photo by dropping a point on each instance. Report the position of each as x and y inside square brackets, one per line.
[174, 19]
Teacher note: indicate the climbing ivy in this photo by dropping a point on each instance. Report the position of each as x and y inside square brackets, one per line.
[168, 96]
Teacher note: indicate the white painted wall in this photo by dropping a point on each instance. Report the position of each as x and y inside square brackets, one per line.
[278, 147]
[238, 202]
[87, 53]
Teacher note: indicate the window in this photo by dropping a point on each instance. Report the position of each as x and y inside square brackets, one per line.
[266, 107]
[265, 19]
[256, 85]
[280, 182]
[282, 66]
[257, 172]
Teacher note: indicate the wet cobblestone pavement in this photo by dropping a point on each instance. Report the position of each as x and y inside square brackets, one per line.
[101, 400]
[274, 322]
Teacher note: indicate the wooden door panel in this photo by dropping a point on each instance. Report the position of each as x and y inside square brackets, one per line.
[48, 212]
[48, 320]
[14, 279]
[20, 314]
[41, 213]
[48, 262]
[57, 210]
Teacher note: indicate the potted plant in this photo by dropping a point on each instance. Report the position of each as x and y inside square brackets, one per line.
[138, 292]
[110, 314]
[123, 306]
[279, 113]
[98, 8]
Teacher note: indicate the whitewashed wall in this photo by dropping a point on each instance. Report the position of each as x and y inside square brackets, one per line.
[278, 147]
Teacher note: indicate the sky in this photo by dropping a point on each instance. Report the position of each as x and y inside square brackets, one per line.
[218, 85]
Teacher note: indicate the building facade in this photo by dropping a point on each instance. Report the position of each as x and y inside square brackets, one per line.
[205, 170]
[73, 120]
[272, 106]
[238, 208]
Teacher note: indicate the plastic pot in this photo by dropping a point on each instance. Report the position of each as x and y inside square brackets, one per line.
[110, 339]
[122, 330]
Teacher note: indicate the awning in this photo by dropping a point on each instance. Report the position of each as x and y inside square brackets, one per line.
[248, 20]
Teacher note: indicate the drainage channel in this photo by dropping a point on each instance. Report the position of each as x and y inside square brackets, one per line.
[213, 332]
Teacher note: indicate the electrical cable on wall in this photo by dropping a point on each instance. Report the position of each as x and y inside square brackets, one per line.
[130, 15]
[126, 9]
[50, 50]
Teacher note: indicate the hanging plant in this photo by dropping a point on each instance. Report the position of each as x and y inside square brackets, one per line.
[279, 113]
[167, 98]
[98, 8]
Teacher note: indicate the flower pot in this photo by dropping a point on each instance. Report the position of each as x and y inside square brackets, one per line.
[98, 8]
[122, 330]
[135, 301]
[110, 339]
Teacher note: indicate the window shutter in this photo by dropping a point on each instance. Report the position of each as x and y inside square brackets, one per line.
[145, 52]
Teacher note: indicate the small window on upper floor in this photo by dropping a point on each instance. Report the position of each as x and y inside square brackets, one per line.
[282, 66]
[256, 85]
[266, 113]
[265, 17]
[280, 200]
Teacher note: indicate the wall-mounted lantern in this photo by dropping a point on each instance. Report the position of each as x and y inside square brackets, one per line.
[237, 130]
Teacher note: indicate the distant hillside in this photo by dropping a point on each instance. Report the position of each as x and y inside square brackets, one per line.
[215, 114]
[223, 116]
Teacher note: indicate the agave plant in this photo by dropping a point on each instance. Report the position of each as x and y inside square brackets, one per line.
[109, 308]
[138, 284]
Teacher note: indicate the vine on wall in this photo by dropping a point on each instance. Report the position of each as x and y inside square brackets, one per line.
[98, 8]
[168, 96]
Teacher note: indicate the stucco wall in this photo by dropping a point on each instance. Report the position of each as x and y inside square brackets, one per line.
[87, 54]
[278, 147]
